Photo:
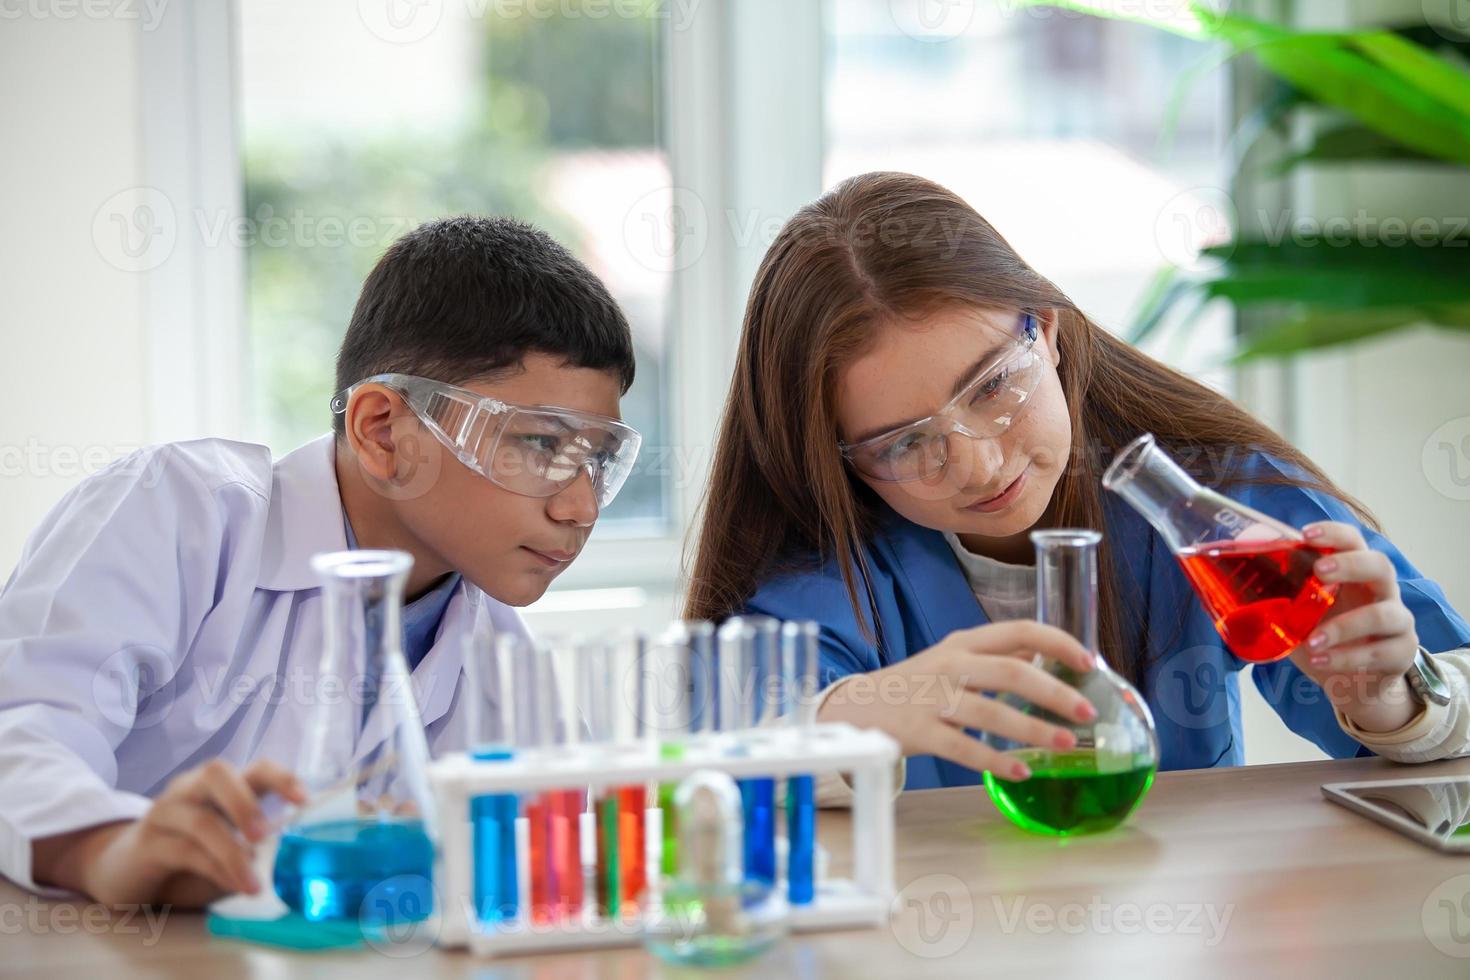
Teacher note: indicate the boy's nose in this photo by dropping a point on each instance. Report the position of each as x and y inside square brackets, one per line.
[575, 503]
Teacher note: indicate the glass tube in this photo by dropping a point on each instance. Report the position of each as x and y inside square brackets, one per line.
[490, 721]
[749, 659]
[800, 647]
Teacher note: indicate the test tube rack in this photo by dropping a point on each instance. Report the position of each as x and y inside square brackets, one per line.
[867, 757]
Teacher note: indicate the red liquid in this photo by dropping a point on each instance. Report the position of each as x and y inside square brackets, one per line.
[556, 855]
[632, 804]
[1263, 595]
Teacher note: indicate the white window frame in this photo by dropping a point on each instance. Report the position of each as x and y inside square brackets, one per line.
[194, 301]
[727, 66]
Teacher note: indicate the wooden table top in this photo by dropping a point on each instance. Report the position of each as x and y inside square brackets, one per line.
[1228, 872]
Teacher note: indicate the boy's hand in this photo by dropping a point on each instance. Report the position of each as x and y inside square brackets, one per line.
[193, 845]
[1366, 643]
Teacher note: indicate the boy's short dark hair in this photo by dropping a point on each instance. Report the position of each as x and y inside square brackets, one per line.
[461, 298]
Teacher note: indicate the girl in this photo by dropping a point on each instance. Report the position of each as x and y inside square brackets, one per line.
[911, 399]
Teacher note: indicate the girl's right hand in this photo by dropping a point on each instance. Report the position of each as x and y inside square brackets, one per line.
[927, 701]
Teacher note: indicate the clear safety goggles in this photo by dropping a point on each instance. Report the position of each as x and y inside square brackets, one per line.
[533, 450]
[988, 405]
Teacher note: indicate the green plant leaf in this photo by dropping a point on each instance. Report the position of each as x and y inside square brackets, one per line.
[1349, 142]
[1163, 294]
[1419, 67]
[1316, 329]
[1381, 100]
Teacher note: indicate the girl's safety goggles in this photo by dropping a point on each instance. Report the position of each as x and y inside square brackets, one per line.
[533, 450]
[999, 393]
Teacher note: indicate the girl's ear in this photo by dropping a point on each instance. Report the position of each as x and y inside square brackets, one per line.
[1050, 330]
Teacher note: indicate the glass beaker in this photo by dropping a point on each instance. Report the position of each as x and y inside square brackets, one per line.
[713, 914]
[1096, 784]
[1252, 572]
[361, 845]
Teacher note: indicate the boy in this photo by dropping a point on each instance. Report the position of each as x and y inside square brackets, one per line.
[155, 635]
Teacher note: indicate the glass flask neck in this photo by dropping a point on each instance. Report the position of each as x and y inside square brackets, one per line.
[1153, 484]
[362, 605]
[1066, 582]
[1184, 513]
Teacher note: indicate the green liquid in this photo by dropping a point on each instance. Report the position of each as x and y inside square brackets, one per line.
[1066, 795]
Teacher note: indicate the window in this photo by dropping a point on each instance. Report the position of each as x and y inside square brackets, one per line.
[360, 121]
[1049, 123]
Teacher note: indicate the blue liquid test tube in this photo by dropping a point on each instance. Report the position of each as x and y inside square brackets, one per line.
[749, 658]
[491, 723]
[800, 646]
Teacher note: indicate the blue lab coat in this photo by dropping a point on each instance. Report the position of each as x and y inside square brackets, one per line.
[1191, 681]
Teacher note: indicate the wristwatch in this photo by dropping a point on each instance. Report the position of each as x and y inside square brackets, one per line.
[1425, 680]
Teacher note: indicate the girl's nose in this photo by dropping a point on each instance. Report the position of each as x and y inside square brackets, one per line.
[974, 461]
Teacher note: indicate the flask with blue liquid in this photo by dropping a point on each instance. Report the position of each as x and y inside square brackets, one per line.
[361, 848]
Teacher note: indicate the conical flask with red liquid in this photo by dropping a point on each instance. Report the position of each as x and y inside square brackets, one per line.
[1252, 572]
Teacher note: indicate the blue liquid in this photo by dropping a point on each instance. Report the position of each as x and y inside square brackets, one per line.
[758, 798]
[493, 819]
[325, 870]
[801, 835]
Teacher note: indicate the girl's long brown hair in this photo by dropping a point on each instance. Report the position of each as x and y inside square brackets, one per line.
[885, 246]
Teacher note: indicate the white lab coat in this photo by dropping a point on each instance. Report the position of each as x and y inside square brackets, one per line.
[164, 614]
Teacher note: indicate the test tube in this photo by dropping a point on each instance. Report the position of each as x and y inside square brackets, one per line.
[610, 690]
[800, 646]
[749, 659]
[553, 816]
[676, 695]
[490, 728]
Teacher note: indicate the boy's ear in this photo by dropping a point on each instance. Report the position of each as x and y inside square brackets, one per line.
[369, 430]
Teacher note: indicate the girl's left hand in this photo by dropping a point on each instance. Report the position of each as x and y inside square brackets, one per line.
[1366, 643]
